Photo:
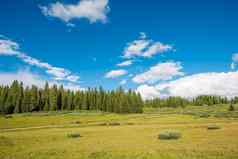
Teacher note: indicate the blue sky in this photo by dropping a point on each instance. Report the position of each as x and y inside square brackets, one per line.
[192, 37]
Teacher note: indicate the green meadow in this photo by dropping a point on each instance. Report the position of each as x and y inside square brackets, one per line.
[207, 132]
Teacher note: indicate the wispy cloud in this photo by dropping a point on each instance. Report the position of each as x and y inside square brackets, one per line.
[160, 72]
[116, 73]
[93, 10]
[123, 82]
[145, 47]
[234, 61]
[28, 78]
[10, 48]
[125, 63]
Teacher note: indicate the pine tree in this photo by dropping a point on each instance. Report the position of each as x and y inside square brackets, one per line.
[34, 99]
[70, 100]
[46, 97]
[231, 107]
[12, 98]
[19, 99]
[40, 100]
[26, 105]
[53, 98]
[3, 99]
[64, 101]
[59, 98]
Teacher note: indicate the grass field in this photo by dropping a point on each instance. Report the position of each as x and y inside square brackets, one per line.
[113, 136]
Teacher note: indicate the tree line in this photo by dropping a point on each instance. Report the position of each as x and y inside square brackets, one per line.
[19, 99]
[202, 100]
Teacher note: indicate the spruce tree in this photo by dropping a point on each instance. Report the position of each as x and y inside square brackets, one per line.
[26, 104]
[46, 97]
[19, 99]
[231, 107]
[53, 98]
[3, 99]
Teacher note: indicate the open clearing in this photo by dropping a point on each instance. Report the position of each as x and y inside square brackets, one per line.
[113, 136]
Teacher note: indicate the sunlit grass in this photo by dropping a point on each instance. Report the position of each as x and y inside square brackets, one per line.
[45, 136]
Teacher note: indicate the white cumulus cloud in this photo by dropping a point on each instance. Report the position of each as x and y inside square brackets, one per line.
[116, 73]
[160, 72]
[220, 84]
[148, 92]
[156, 48]
[93, 10]
[144, 47]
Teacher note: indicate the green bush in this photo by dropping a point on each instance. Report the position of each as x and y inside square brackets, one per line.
[73, 135]
[213, 127]
[169, 135]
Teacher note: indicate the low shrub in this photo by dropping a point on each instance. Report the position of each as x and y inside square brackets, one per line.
[213, 127]
[101, 124]
[8, 116]
[73, 135]
[114, 124]
[204, 115]
[78, 122]
[228, 114]
[99, 155]
[169, 135]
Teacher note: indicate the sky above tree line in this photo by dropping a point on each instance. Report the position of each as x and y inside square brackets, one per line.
[160, 48]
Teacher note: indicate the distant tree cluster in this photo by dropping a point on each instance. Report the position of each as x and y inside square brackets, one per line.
[209, 100]
[235, 100]
[203, 100]
[18, 99]
[167, 102]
